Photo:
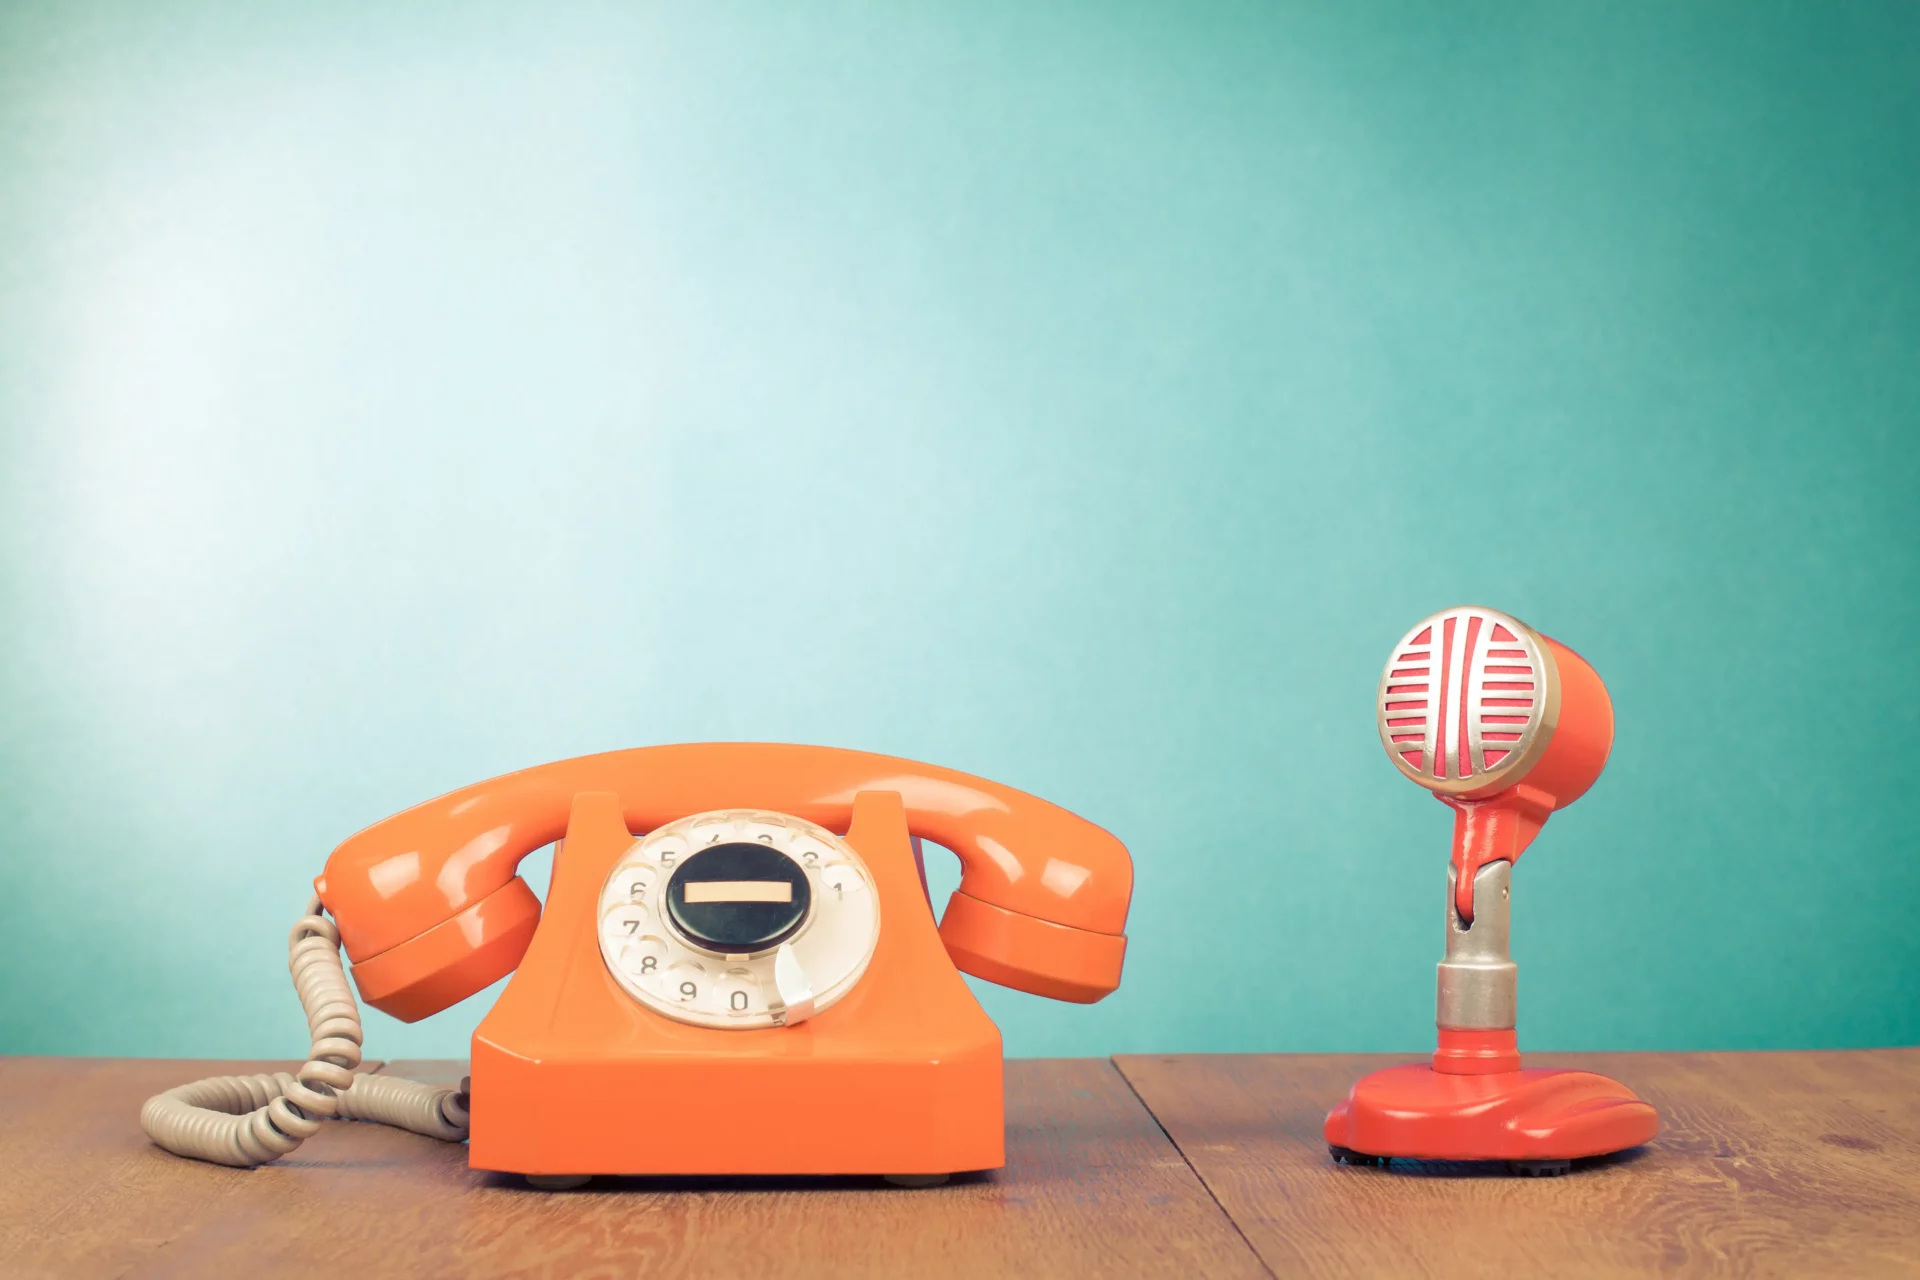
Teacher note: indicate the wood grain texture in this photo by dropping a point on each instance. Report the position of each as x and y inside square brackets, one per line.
[1092, 1188]
[1769, 1164]
[82, 1192]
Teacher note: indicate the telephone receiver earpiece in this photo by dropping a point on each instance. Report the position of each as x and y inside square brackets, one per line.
[431, 910]
[1503, 724]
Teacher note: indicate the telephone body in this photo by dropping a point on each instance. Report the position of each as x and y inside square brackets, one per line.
[737, 970]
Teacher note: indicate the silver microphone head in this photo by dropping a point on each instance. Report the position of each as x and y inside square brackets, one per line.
[1468, 701]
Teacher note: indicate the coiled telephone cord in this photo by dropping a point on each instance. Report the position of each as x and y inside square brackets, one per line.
[249, 1120]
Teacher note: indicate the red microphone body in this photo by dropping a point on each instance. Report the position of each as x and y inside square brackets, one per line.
[1506, 726]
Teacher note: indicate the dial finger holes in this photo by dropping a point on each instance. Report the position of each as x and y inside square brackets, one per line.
[841, 882]
[740, 994]
[645, 958]
[707, 833]
[685, 980]
[623, 924]
[634, 883]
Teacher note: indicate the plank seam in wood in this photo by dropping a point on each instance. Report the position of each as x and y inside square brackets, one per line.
[1198, 1177]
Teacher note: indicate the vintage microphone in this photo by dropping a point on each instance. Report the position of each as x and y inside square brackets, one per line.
[1505, 726]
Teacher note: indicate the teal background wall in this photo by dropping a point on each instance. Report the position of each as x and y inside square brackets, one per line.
[1086, 396]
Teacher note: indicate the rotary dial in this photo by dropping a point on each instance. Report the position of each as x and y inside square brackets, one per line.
[739, 919]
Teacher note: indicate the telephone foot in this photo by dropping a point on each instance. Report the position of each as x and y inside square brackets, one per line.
[915, 1179]
[557, 1181]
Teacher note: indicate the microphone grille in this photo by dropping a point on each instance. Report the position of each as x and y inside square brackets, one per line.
[1468, 701]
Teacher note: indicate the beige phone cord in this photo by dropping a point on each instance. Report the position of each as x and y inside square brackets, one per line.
[249, 1120]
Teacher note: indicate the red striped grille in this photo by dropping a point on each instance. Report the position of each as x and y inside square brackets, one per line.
[1462, 693]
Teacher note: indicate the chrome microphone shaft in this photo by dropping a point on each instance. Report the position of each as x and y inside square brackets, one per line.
[1478, 983]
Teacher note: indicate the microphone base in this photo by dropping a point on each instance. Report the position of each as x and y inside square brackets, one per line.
[1528, 1115]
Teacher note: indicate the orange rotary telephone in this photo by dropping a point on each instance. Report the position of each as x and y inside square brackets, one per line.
[752, 985]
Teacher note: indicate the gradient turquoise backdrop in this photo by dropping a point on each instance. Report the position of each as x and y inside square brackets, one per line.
[1086, 396]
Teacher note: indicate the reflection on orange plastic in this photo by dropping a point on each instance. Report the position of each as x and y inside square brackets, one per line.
[571, 1075]
[1499, 826]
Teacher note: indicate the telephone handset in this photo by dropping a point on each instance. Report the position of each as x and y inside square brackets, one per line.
[737, 932]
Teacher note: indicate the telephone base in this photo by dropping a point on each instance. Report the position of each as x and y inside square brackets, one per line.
[1535, 1117]
[573, 1075]
[724, 1112]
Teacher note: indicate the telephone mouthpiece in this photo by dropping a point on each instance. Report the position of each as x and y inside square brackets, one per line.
[1474, 702]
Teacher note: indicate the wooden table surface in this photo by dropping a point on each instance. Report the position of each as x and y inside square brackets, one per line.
[1771, 1164]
